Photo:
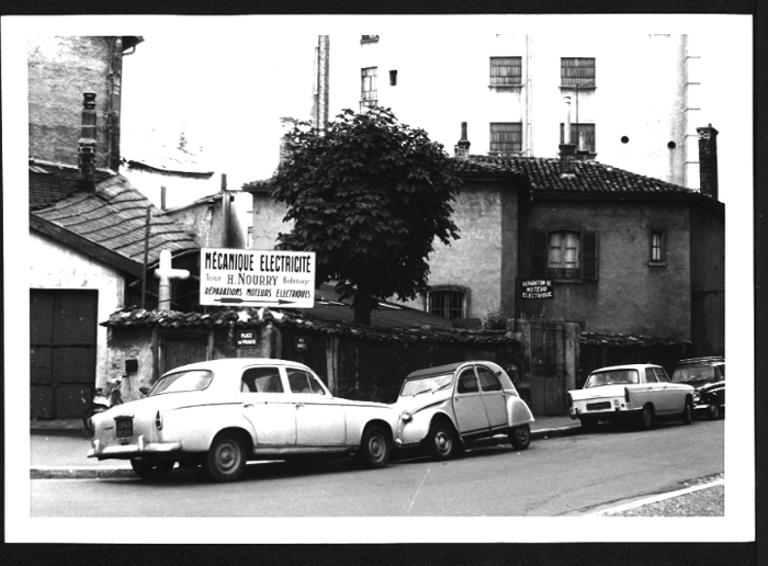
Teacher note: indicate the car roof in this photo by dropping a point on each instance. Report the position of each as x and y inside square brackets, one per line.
[626, 366]
[703, 360]
[446, 368]
[224, 364]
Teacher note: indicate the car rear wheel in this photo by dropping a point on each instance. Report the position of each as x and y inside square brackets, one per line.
[520, 437]
[647, 417]
[441, 441]
[225, 460]
[152, 469]
[375, 447]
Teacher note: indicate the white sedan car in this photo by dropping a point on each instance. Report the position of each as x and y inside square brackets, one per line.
[642, 392]
[444, 407]
[221, 413]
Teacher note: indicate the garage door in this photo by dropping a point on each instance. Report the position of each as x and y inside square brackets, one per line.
[62, 351]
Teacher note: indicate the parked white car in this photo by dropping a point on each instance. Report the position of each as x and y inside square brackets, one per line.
[224, 412]
[442, 408]
[642, 392]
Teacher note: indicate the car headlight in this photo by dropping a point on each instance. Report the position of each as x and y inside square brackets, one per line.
[696, 397]
[406, 417]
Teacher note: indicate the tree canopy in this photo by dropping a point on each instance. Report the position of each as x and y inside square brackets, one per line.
[369, 195]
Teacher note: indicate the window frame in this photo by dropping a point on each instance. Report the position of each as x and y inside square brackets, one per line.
[661, 261]
[515, 133]
[590, 129]
[508, 63]
[369, 78]
[441, 289]
[588, 256]
[579, 72]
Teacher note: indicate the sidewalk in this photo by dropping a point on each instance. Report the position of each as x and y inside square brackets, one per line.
[58, 448]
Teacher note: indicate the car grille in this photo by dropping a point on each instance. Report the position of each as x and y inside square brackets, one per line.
[124, 427]
[598, 406]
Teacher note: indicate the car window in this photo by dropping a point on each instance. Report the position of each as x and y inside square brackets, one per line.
[467, 382]
[488, 380]
[661, 375]
[650, 375]
[262, 380]
[302, 382]
[192, 380]
[693, 373]
[612, 377]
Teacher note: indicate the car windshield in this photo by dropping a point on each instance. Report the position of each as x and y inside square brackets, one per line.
[612, 377]
[424, 384]
[193, 380]
[694, 373]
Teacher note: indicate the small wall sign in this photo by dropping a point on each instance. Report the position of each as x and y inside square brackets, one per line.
[246, 338]
[301, 344]
[536, 289]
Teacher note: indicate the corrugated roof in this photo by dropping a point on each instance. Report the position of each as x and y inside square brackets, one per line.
[113, 216]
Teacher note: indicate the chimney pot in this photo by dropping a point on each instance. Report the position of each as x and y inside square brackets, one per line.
[461, 149]
[86, 155]
[708, 160]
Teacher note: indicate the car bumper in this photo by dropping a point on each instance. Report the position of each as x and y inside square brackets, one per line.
[613, 413]
[129, 450]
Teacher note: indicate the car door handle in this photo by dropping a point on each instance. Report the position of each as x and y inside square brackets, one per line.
[248, 406]
[299, 405]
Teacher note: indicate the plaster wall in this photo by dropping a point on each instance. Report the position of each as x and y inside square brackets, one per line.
[630, 295]
[647, 91]
[267, 222]
[60, 69]
[59, 267]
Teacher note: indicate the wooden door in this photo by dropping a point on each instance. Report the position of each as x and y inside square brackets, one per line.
[62, 352]
[182, 349]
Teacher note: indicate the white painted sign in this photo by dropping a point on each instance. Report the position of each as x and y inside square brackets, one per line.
[257, 278]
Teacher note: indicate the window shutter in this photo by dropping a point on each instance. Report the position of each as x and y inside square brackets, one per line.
[589, 256]
[539, 253]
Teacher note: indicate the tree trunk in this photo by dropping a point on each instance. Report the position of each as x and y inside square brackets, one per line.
[362, 306]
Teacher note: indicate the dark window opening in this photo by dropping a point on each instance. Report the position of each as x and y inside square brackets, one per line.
[448, 303]
[564, 255]
[506, 138]
[393, 77]
[506, 72]
[577, 72]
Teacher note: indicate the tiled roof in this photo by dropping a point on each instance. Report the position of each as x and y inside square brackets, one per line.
[588, 176]
[544, 175]
[312, 320]
[113, 216]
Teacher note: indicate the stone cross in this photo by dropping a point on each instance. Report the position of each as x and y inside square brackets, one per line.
[165, 272]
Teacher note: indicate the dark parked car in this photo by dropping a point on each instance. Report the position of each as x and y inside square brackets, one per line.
[707, 375]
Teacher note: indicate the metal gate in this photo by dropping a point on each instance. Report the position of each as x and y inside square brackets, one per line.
[62, 352]
[547, 363]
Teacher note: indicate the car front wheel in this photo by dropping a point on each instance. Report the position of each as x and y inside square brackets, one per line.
[441, 441]
[152, 469]
[225, 460]
[375, 447]
[520, 437]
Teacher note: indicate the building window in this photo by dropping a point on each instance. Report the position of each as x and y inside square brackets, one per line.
[506, 72]
[582, 136]
[369, 39]
[658, 248]
[506, 138]
[249, 238]
[577, 72]
[448, 302]
[368, 94]
[393, 77]
[564, 255]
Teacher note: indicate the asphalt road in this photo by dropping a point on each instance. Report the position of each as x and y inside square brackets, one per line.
[560, 476]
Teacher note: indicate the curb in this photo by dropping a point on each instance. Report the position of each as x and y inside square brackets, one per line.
[107, 472]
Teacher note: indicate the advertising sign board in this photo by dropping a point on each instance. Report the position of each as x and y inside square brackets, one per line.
[536, 289]
[257, 278]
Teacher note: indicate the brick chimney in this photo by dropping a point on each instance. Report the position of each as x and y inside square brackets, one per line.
[708, 160]
[567, 149]
[461, 149]
[86, 153]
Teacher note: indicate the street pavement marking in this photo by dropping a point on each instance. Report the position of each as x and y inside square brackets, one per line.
[655, 498]
[416, 494]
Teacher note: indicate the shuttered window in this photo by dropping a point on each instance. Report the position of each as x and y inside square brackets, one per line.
[577, 72]
[506, 72]
[506, 138]
[564, 254]
[582, 136]
[369, 94]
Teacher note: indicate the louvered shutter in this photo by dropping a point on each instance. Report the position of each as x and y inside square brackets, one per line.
[589, 263]
[539, 253]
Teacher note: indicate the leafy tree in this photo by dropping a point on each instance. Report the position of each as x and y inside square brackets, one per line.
[369, 195]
